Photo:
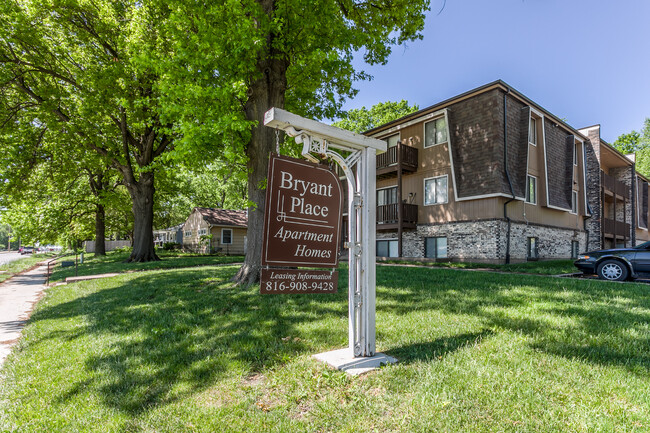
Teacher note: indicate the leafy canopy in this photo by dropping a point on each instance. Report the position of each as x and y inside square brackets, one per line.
[639, 144]
[362, 119]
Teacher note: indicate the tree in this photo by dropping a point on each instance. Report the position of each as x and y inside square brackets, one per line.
[249, 56]
[145, 83]
[362, 119]
[628, 143]
[84, 69]
[216, 184]
[50, 179]
[5, 234]
[639, 144]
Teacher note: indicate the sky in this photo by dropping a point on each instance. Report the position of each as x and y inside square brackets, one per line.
[584, 61]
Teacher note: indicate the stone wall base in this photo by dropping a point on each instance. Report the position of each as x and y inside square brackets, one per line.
[486, 241]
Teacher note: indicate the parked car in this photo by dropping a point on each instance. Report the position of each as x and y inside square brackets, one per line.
[616, 264]
[27, 250]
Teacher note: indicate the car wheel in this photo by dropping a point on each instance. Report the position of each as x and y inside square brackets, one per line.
[612, 270]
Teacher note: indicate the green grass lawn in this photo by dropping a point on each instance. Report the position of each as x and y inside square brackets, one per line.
[184, 351]
[115, 262]
[22, 264]
[542, 267]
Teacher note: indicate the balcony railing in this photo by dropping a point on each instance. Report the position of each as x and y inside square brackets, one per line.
[387, 214]
[613, 185]
[616, 228]
[387, 162]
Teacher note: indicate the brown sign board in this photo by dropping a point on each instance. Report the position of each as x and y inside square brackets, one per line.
[302, 215]
[292, 281]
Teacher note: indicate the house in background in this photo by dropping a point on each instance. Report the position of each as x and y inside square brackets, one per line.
[227, 227]
[171, 234]
[486, 176]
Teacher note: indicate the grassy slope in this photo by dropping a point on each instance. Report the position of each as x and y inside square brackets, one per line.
[114, 261]
[21, 265]
[180, 350]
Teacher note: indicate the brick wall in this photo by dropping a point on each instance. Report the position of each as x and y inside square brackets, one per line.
[485, 241]
[593, 224]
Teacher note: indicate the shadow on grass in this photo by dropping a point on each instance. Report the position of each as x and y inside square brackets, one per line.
[163, 336]
[437, 349]
[167, 335]
[598, 322]
[117, 262]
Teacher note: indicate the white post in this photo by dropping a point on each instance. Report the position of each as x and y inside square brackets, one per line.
[366, 173]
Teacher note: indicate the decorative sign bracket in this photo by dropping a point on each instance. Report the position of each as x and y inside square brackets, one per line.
[360, 171]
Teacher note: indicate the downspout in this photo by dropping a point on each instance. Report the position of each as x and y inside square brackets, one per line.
[505, 166]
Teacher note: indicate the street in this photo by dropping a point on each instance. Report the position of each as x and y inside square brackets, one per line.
[6, 257]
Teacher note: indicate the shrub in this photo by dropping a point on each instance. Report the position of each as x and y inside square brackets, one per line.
[169, 246]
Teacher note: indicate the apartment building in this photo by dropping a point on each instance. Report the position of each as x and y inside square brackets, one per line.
[486, 176]
[617, 195]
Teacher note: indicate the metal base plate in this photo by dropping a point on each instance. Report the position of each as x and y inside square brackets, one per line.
[342, 359]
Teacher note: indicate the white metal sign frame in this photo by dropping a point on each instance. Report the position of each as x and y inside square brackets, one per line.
[360, 171]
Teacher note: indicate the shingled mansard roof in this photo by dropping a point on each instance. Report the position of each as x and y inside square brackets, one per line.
[223, 217]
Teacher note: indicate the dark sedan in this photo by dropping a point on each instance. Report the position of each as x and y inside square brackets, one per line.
[617, 264]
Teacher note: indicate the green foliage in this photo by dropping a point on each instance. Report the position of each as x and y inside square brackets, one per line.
[5, 233]
[628, 143]
[638, 143]
[144, 85]
[215, 184]
[362, 119]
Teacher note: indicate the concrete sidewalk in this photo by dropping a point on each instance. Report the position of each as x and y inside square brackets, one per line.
[17, 298]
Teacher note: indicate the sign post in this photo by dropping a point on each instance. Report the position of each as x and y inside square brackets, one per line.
[359, 167]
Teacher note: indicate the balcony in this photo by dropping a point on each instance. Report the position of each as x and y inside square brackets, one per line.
[387, 218]
[616, 228]
[395, 157]
[614, 186]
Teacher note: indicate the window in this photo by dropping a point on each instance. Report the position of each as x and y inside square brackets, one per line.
[575, 249]
[531, 249]
[532, 132]
[188, 233]
[435, 248]
[435, 190]
[576, 148]
[392, 140]
[574, 202]
[202, 232]
[387, 196]
[226, 236]
[435, 132]
[387, 248]
[531, 189]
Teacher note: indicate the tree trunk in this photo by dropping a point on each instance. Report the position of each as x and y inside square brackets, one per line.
[266, 92]
[100, 231]
[142, 193]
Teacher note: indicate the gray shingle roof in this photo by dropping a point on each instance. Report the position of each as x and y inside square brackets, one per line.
[224, 217]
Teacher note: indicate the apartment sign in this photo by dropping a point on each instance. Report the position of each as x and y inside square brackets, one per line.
[302, 215]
